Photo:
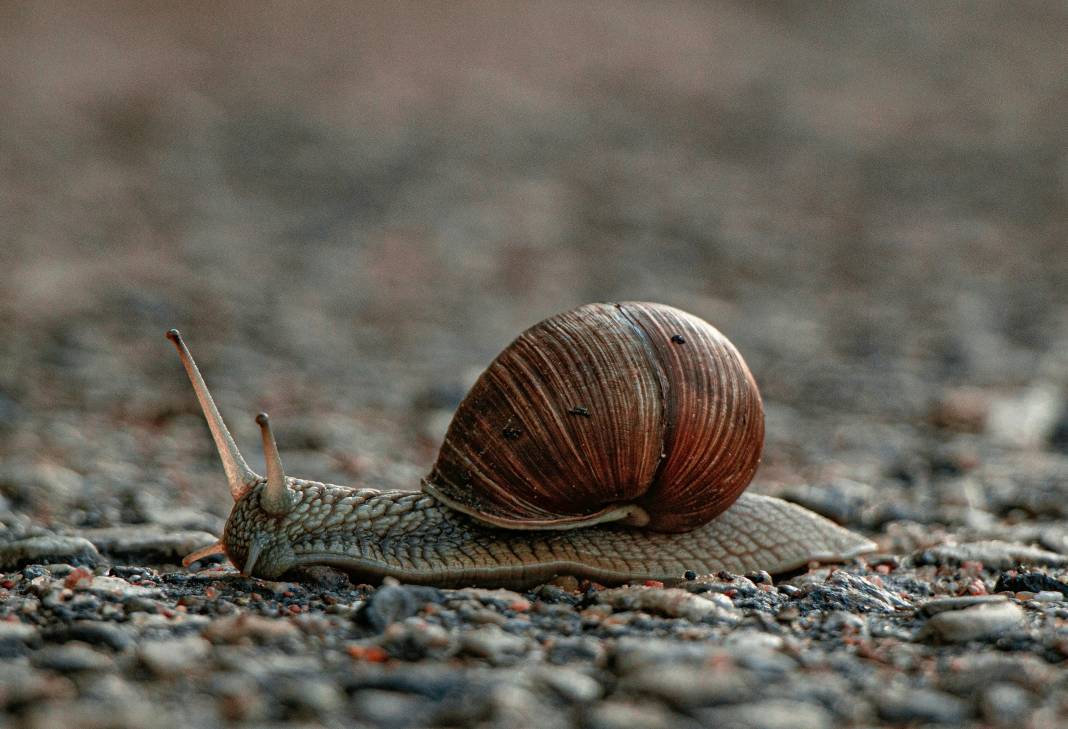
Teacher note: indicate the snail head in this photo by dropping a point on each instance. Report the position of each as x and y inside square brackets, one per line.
[267, 510]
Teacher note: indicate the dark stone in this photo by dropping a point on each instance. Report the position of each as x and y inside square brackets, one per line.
[321, 577]
[435, 686]
[1058, 438]
[1029, 582]
[70, 659]
[556, 595]
[391, 603]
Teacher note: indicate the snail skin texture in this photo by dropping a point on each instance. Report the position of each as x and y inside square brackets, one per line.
[611, 442]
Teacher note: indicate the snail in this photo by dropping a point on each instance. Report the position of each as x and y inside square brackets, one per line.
[611, 442]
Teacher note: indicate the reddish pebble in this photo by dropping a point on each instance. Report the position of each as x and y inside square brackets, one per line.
[7, 584]
[654, 583]
[76, 576]
[294, 608]
[371, 653]
[520, 606]
[211, 593]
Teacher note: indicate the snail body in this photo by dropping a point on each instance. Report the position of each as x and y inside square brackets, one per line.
[611, 442]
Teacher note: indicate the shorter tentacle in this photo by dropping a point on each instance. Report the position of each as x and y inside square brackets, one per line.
[276, 498]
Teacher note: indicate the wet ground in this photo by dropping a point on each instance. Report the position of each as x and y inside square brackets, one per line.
[349, 210]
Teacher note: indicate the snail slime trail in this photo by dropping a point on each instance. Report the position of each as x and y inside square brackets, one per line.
[612, 442]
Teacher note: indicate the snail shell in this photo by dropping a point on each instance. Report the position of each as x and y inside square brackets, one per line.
[633, 412]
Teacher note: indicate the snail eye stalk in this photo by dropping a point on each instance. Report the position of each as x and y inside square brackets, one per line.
[276, 499]
[239, 476]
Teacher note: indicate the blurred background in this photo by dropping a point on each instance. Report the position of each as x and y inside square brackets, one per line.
[350, 208]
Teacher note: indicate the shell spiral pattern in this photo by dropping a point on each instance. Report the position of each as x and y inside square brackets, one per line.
[632, 411]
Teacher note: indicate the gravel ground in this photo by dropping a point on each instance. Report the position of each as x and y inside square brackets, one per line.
[348, 210]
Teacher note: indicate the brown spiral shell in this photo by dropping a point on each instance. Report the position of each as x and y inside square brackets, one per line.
[633, 411]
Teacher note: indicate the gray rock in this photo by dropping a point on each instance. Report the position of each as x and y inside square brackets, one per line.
[15, 637]
[850, 593]
[118, 588]
[249, 627]
[770, 714]
[571, 685]
[47, 549]
[1006, 705]
[759, 652]
[72, 658]
[173, 657]
[505, 599]
[979, 670]
[164, 513]
[633, 654]
[944, 604]
[93, 632]
[391, 603]
[494, 645]
[1026, 419]
[415, 638]
[914, 704]
[622, 714]
[981, 622]
[842, 622]
[576, 648]
[380, 708]
[672, 602]
[682, 686]
[42, 484]
[308, 698]
[513, 704]
[147, 543]
[842, 500]
[992, 554]
[23, 685]
[89, 714]
[1049, 596]
[238, 697]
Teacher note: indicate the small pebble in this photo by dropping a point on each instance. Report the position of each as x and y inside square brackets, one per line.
[1049, 596]
[391, 603]
[911, 704]
[494, 645]
[674, 603]
[981, 622]
[933, 607]
[71, 658]
[46, 549]
[175, 656]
